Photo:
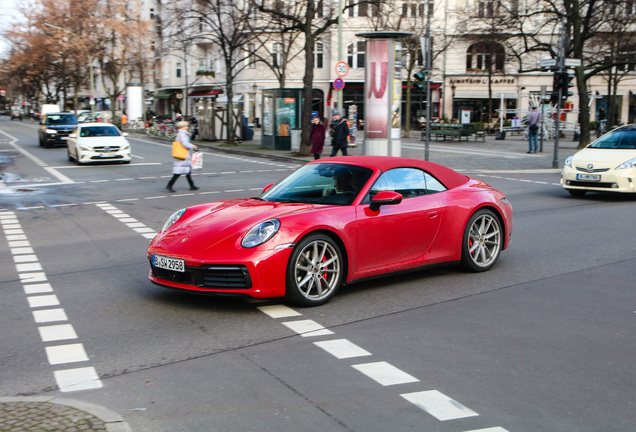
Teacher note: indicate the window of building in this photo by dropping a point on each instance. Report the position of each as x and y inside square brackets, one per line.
[487, 8]
[178, 69]
[356, 54]
[415, 10]
[277, 54]
[250, 54]
[319, 55]
[484, 57]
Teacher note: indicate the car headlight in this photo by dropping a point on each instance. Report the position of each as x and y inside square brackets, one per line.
[260, 233]
[173, 219]
[627, 164]
[85, 148]
[568, 161]
[51, 131]
[125, 147]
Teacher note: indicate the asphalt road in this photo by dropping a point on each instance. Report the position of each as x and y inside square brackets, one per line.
[545, 341]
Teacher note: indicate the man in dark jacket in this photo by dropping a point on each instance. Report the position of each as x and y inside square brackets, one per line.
[339, 134]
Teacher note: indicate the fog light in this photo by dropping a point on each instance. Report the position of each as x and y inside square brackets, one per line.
[614, 186]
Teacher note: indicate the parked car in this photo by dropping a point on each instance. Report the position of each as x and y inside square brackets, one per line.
[606, 165]
[332, 221]
[98, 142]
[55, 128]
[83, 116]
[15, 114]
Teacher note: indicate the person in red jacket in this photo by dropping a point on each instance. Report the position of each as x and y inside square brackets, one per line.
[317, 137]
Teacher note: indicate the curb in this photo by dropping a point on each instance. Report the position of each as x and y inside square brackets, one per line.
[113, 422]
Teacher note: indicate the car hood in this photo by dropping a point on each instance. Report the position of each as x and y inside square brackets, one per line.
[226, 222]
[602, 158]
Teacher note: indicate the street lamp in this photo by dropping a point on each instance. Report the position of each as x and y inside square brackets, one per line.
[90, 67]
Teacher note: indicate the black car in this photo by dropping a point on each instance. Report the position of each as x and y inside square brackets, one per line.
[55, 128]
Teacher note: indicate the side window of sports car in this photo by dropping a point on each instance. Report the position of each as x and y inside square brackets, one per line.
[433, 185]
[409, 182]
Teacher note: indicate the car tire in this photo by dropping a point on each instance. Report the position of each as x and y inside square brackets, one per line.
[68, 153]
[46, 144]
[482, 241]
[576, 192]
[315, 271]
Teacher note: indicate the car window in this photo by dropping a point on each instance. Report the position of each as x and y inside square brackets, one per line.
[619, 139]
[324, 183]
[99, 131]
[409, 182]
[61, 119]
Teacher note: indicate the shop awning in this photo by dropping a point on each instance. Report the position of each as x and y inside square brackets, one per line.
[205, 93]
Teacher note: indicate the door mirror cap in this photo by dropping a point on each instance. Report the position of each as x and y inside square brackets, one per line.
[385, 198]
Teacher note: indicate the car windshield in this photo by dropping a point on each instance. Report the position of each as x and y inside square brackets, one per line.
[61, 119]
[322, 183]
[99, 131]
[619, 139]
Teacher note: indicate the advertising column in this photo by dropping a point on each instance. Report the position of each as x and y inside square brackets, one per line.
[134, 101]
[383, 93]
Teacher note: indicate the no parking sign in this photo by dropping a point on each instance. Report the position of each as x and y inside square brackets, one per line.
[338, 84]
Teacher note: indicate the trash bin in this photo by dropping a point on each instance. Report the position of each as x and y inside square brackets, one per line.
[295, 140]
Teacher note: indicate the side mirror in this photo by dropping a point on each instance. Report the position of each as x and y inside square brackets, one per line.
[385, 198]
[125, 134]
[266, 188]
[72, 135]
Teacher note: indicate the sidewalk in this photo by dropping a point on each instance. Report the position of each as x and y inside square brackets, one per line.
[43, 414]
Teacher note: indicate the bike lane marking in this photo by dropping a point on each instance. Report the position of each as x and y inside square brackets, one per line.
[45, 309]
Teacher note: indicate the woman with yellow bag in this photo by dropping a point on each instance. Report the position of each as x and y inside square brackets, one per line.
[182, 165]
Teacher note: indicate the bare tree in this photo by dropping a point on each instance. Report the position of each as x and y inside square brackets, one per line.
[229, 26]
[303, 17]
[591, 27]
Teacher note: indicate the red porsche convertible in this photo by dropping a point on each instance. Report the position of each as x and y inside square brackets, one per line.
[331, 222]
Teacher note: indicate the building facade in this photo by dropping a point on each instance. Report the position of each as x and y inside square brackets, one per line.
[476, 73]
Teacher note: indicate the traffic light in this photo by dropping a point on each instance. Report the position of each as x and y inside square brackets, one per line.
[420, 79]
[557, 83]
[554, 98]
[566, 83]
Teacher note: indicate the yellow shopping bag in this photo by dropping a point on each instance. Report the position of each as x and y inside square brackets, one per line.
[179, 151]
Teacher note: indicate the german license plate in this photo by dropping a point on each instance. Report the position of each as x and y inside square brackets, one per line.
[107, 155]
[168, 263]
[588, 177]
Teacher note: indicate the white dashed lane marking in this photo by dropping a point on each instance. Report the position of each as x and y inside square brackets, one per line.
[46, 309]
[439, 405]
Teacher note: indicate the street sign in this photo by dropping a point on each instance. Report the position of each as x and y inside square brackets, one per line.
[342, 69]
[572, 62]
[120, 97]
[548, 63]
[338, 84]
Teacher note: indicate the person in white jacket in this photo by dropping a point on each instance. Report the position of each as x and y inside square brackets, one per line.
[184, 166]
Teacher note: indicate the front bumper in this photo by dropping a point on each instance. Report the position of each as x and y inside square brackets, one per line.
[621, 181]
[259, 275]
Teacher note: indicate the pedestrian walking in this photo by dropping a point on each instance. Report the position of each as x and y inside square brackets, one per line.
[317, 137]
[184, 166]
[339, 134]
[534, 122]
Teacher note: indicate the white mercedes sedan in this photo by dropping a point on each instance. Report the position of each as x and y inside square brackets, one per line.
[606, 165]
[98, 142]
